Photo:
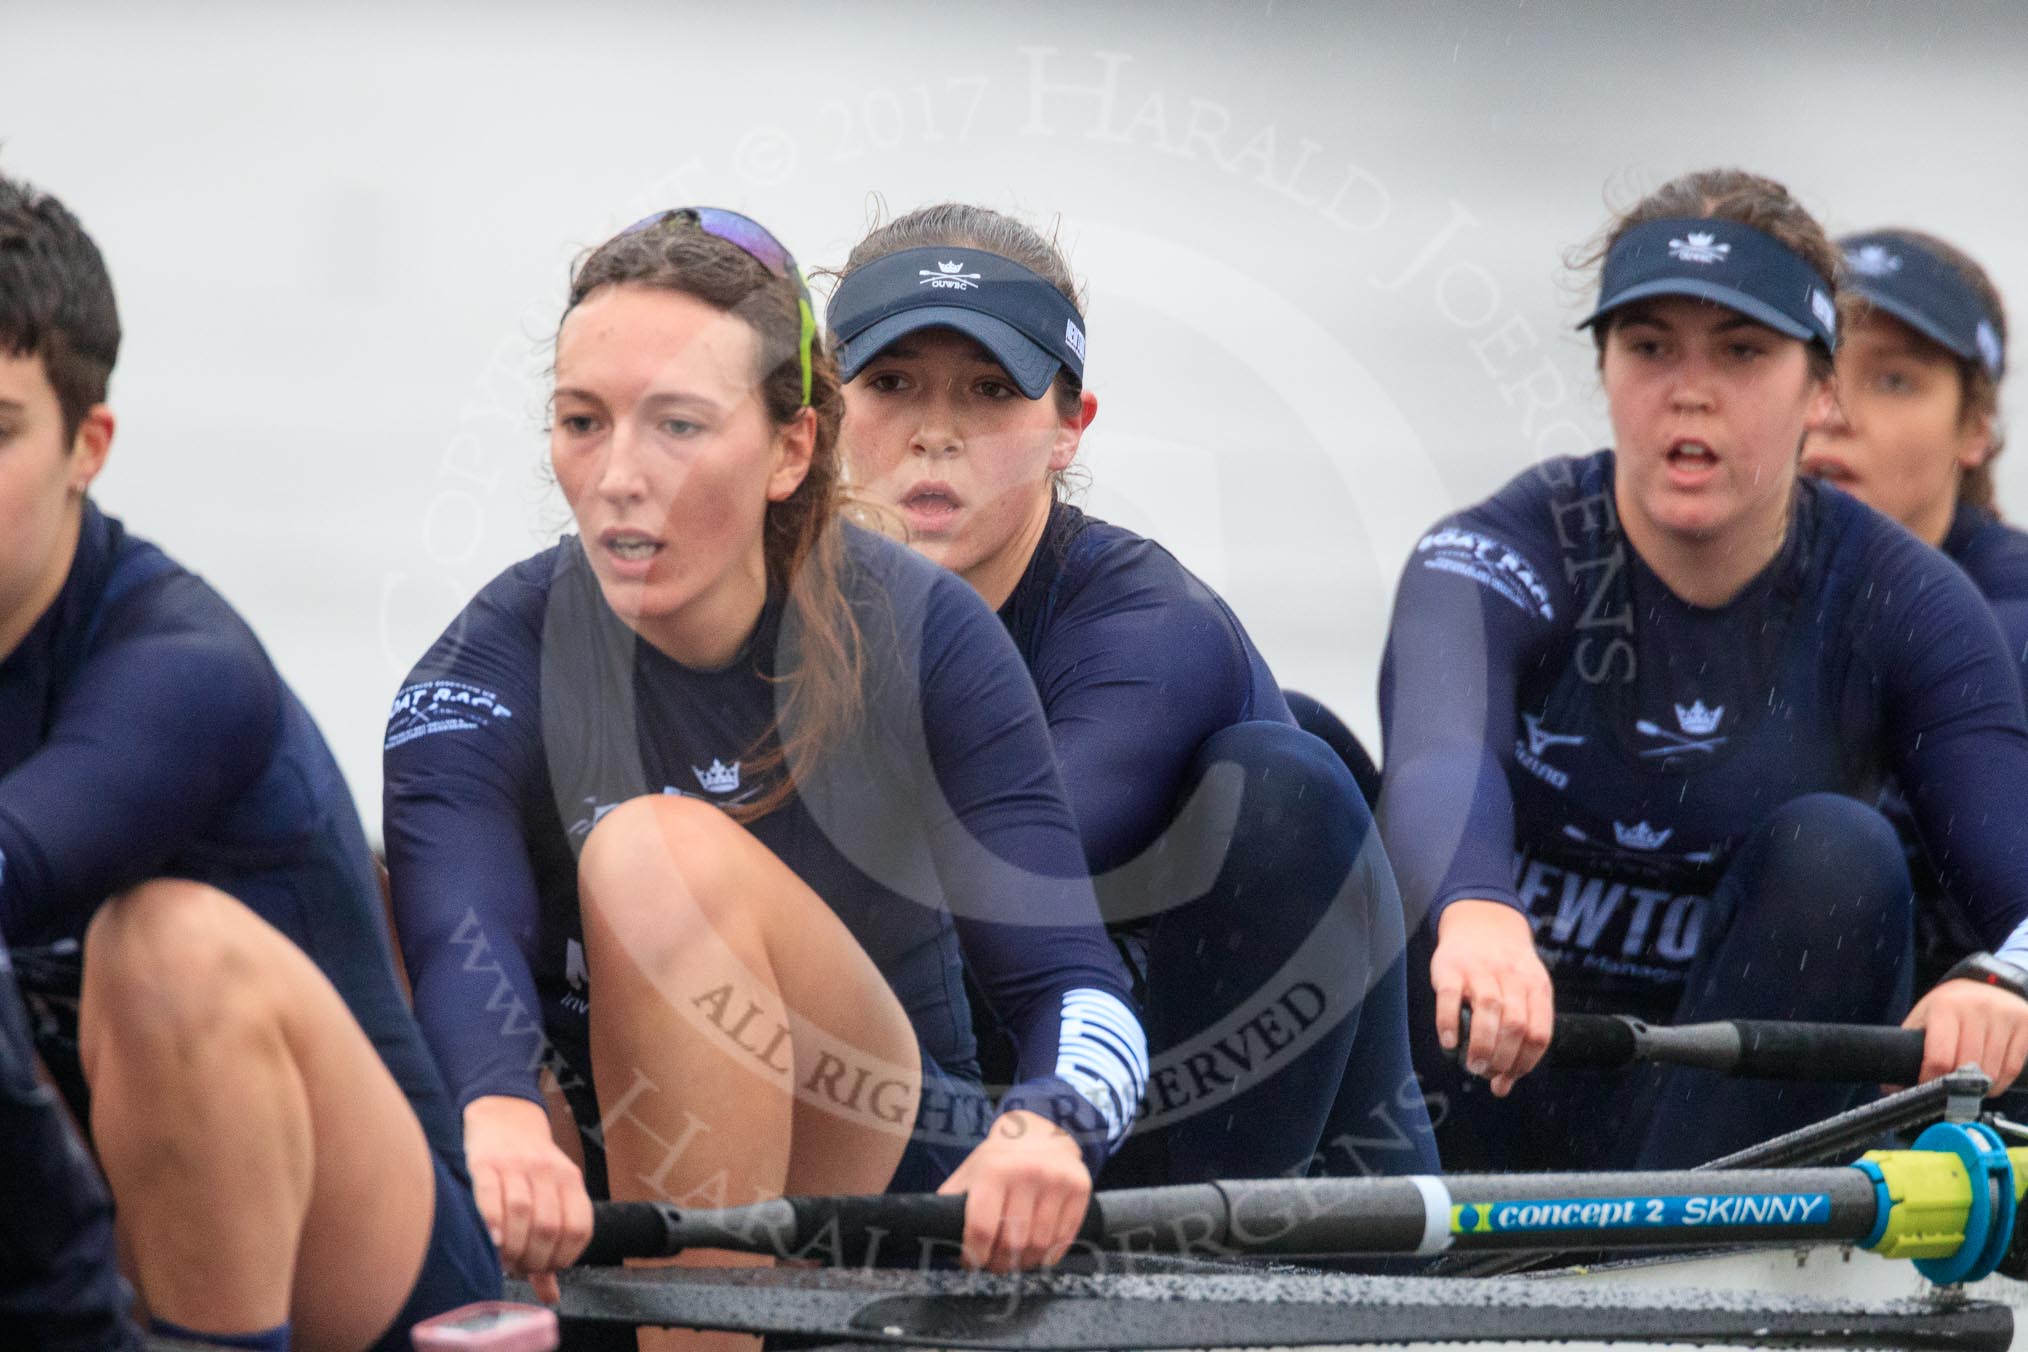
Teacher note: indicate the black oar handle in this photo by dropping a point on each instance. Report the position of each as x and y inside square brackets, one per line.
[790, 1226]
[1748, 1048]
[1841, 1053]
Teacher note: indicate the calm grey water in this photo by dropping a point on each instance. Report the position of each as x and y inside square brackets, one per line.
[1322, 243]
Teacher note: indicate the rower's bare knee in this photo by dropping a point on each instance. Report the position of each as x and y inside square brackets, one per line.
[172, 970]
[658, 868]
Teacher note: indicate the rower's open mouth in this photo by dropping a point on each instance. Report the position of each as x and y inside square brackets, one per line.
[630, 546]
[1692, 455]
[1828, 468]
[932, 502]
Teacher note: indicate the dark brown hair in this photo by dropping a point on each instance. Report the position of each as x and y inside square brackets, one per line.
[1978, 388]
[56, 301]
[802, 537]
[1726, 195]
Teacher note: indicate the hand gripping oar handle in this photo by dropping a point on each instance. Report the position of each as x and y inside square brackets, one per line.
[785, 1226]
[1746, 1048]
[814, 1227]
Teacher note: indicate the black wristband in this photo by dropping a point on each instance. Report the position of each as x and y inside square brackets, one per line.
[1988, 970]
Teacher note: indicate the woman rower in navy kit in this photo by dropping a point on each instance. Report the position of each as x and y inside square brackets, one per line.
[188, 899]
[709, 807]
[1638, 708]
[1232, 850]
[1913, 435]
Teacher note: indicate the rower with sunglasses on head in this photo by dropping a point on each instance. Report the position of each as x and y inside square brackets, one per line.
[1639, 706]
[709, 809]
[1913, 434]
[189, 902]
[1232, 851]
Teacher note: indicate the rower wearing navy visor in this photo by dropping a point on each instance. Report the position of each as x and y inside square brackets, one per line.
[1914, 434]
[1272, 976]
[191, 910]
[1639, 706]
[710, 808]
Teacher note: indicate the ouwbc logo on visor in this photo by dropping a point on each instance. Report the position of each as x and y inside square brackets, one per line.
[1030, 328]
[1724, 262]
[1922, 290]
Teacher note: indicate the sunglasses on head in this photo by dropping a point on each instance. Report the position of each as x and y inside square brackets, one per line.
[757, 243]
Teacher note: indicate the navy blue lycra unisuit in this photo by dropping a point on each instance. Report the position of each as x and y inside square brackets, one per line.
[1261, 918]
[937, 831]
[1680, 796]
[145, 734]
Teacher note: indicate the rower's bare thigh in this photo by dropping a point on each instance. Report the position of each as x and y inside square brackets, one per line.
[372, 1189]
[856, 1066]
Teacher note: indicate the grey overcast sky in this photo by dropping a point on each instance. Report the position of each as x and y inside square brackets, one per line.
[1323, 247]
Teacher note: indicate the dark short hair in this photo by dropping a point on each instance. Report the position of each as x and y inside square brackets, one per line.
[56, 301]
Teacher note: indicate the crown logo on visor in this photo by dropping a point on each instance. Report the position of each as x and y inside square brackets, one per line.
[720, 778]
[1699, 246]
[949, 277]
[1873, 260]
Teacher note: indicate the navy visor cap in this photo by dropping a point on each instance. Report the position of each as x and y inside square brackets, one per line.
[1724, 262]
[1029, 326]
[1921, 289]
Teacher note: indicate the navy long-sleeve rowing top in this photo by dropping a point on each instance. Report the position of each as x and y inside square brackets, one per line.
[1995, 556]
[143, 734]
[937, 829]
[1137, 663]
[1567, 736]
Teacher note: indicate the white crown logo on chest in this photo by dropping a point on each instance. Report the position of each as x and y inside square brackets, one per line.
[1697, 720]
[720, 778]
[1641, 836]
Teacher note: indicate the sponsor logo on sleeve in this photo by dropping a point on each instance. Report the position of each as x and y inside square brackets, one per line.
[1489, 563]
[441, 706]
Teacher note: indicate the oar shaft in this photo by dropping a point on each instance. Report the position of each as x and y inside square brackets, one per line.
[1532, 1211]
[1747, 1048]
[1421, 1215]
